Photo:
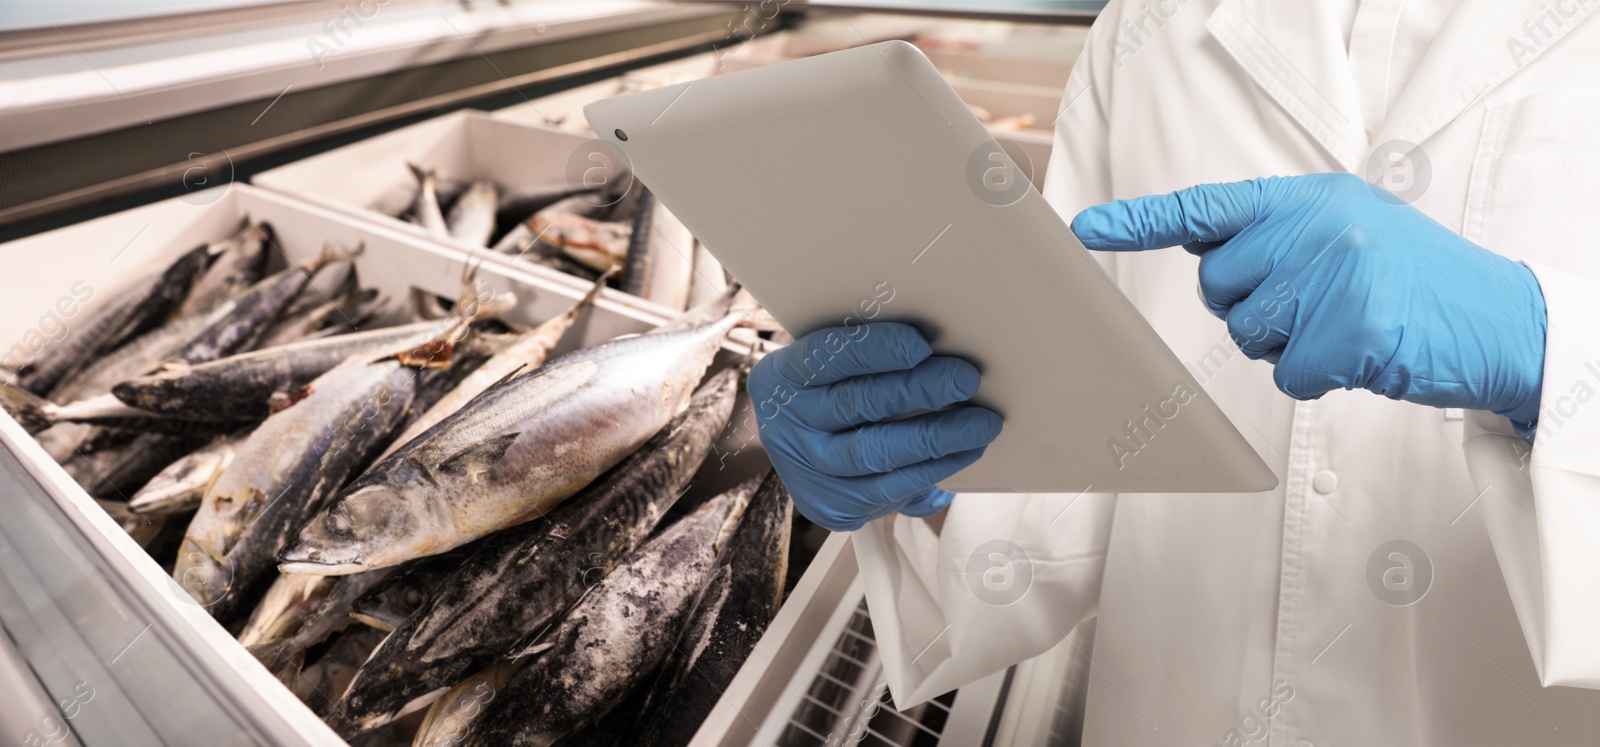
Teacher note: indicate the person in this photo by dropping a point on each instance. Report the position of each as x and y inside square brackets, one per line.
[1378, 197]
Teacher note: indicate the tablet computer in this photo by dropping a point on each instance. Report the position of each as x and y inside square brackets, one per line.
[856, 187]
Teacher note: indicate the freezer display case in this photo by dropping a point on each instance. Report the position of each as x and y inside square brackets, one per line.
[94, 603]
[102, 646]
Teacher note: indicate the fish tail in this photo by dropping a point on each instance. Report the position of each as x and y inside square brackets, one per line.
[420, 173]
[338, 253]
[588, 298]
[468, 305]
[332, 253]
[29, 409]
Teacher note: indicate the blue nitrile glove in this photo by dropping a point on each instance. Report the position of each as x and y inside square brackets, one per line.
[819, 403]
[1343, 286]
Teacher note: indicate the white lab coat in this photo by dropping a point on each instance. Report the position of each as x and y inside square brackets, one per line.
[1209, 604]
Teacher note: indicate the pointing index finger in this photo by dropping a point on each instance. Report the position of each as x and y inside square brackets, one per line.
[834, 354]
[1203, 214]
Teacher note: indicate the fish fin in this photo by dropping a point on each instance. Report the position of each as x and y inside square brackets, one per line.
[420, 173]
[515, 372]
[467, 297]
[469, 307]
[271, 653]
[280, 401]
[28, 408]
[332, 253]
[349, 288]
[434, 353]
[594, 292]
[339, 253]
[537, 648]
[170, 368]
[478, 458]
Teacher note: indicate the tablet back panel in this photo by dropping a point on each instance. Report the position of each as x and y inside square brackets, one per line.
[855, 186]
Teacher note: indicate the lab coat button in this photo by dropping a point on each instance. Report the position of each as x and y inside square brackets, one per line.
[1324, 482]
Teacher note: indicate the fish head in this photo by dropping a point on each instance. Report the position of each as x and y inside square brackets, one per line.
[371, 526]
[200, 573]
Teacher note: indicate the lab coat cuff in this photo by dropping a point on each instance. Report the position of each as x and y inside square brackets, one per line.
[1559, 602]
[1569, 425]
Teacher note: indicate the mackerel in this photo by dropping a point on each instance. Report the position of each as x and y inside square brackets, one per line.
[284, 608]
[452, 716]
[241, 260]
[516, 451]
[729, 618]
[529, 350]
[615, 638]
[240, 321]
[126, 469]
[522, 579]
[388, 603]
[598, 245]
[516, 207]
[285, 469]
[148, 304]
[426, 209]
[471, 219]
[312, 317]
[241, 387]
[331, 616]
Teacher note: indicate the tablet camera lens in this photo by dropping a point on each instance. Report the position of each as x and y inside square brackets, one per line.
[623, 136]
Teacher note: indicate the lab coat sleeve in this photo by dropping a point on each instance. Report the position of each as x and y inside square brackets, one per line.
[1542, 505]
[1008, 576]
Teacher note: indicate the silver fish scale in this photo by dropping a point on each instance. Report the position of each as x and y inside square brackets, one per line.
[594, 371]
[284, 451]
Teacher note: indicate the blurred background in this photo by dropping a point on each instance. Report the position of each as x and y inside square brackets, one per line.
[147, 123]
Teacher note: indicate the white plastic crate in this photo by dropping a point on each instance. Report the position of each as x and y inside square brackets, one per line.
[474, 145]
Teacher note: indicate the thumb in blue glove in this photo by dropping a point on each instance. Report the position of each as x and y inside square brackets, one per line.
[1342, 286]
[821, 404]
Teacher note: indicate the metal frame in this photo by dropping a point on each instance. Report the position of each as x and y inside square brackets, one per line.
[1077, 12]
[214, 157]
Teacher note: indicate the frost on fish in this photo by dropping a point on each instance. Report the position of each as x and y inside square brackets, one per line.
[612, 640]
[729, 618]
[521, 579]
